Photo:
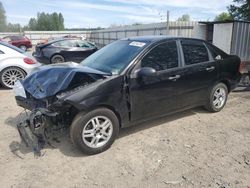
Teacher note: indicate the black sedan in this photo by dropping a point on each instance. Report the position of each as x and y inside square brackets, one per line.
[126, 82]
[62, 50]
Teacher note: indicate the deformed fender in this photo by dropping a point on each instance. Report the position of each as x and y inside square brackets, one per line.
[102, 94]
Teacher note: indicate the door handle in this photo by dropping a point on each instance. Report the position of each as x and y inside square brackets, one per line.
[210, 68]
[174, 78]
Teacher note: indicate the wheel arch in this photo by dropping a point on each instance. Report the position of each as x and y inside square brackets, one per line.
[104, 106]
[227, 83]
[22, 45]
[13, 67]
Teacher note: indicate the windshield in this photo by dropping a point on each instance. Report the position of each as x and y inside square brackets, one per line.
[114, 57]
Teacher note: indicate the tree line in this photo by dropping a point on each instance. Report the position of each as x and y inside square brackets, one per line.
[43, 22]
[47, 22]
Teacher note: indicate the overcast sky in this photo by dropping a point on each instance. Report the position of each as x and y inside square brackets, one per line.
[103, 13]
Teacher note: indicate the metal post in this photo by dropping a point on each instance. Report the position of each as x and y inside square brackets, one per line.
[168, 23]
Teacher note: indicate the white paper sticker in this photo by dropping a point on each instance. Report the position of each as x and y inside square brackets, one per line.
[137, 44]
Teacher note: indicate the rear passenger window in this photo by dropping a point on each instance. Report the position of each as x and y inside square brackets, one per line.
[162, 57]
[194, 52]
[65, 43]
[14, 38]
[215, 51]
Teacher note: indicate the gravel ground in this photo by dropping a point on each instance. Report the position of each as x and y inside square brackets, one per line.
[189, 149]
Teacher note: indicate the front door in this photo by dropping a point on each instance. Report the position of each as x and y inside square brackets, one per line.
[159, 94]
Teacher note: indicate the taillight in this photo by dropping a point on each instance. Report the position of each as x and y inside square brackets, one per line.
[29, 61]
[242, 68]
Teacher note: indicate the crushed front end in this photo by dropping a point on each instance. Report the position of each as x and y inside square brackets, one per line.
[43, 119]
[43, 97]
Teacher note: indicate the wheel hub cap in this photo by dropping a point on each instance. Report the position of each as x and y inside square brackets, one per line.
[97, 132]
[10, 76]
[219, 98]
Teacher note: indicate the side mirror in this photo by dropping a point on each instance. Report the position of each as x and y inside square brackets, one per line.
[218, 57]
[146, 71]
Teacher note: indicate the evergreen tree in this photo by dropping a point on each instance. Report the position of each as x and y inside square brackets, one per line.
[47, 22]
[2, 18]
[61, 22]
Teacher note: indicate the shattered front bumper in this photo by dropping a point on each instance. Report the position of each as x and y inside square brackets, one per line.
[35, 142]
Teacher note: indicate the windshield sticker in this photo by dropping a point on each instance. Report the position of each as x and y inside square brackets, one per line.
[137, 44]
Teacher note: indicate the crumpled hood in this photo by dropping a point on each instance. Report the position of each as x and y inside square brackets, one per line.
[48, 80]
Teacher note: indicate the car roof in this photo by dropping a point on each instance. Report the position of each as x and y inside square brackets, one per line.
[58, 39]
[157, 38]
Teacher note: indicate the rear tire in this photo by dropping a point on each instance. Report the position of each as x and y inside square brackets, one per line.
[57, 59]
[10, 75]
[95, 131]
[217, 98]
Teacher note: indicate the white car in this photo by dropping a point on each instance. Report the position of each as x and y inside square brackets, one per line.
[15, 64]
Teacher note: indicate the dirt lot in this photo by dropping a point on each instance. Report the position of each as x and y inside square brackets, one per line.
[189, 149]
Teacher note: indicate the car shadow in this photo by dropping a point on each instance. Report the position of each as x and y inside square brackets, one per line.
[242, 89]
[3, 88]
[156, 122]
[61, 139]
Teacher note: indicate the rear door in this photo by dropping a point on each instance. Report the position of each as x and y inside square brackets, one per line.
[76, 51]
[84, 49]
[201, 71]
[66, 48]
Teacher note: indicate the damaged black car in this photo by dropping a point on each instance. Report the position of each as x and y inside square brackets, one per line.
[126, 82]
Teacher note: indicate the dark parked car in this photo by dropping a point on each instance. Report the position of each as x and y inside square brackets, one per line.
[62, 50]
[126, 82]
[19, 41]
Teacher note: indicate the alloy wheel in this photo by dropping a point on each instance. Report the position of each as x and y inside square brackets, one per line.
[11, 75]
[219, 97]
[97, 131]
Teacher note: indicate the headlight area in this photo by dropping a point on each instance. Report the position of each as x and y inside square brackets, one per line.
[47, 116]
[19, 89]
[64, 94]
[41, 125]
[44, 120]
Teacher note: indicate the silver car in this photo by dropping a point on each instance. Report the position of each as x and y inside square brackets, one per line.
[15, 64]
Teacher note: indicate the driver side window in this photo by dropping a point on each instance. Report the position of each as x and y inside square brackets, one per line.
[162, 57]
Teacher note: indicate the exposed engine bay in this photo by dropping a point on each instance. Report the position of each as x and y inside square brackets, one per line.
[43, 94]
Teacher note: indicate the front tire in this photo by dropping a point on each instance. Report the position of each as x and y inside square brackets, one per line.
[217, 98]
[95, 131]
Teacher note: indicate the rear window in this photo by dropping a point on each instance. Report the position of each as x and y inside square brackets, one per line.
[12, 47]
[215, 51]
[194, 52]
[14, 38]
